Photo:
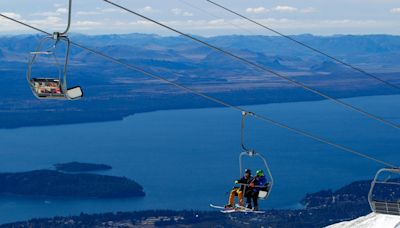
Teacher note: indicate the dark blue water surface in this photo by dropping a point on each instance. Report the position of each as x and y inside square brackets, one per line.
[186, 159]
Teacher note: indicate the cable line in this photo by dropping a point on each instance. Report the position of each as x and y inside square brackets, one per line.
[216, 100]
[306, 45]
[260, 67]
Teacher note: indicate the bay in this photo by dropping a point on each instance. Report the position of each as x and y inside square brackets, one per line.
[187, 159]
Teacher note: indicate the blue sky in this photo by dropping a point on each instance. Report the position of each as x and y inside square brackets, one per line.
[320, 17]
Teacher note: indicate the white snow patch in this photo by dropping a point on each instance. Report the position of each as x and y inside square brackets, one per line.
[371, 221]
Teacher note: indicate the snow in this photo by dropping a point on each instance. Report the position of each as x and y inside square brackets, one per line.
[370, 221]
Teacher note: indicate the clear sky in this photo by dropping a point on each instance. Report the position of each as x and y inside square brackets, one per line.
[320, 17]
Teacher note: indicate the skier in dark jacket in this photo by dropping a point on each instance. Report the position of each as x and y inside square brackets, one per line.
[240, 191]
[259, 183]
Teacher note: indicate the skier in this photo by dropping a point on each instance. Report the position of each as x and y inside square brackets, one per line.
[261, 184]
[239, 191]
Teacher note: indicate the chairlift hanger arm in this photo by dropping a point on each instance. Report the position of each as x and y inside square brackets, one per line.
[57, 35]
[65, 69]
[244, 115]
[69, 19]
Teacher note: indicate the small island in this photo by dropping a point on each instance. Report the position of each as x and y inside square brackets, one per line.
[81, 167]
[51, 183]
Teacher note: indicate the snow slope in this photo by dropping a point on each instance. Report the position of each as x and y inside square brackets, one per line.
[370, 221]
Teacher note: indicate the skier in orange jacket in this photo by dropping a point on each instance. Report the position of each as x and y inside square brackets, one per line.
[240, 191]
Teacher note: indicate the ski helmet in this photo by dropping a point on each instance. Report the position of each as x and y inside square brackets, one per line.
[247, 171]
[260, 173]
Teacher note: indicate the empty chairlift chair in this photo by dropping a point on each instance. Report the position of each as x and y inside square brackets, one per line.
[384, 195]
[51, 86]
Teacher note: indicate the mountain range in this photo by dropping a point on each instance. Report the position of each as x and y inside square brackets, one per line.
[110, 88]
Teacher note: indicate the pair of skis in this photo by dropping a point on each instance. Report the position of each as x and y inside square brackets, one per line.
[237, 208]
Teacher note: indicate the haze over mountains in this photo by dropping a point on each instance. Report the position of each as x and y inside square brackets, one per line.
[379, 50]
[117, 91]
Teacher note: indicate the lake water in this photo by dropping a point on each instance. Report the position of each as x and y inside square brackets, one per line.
[187, 159]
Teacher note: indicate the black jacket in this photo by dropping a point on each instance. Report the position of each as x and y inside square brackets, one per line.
[243, 181]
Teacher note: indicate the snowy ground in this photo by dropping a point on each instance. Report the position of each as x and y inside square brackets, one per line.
[370, 221]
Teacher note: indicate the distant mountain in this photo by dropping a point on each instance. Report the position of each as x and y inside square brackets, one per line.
[110, 88]
[133, 46]
[329, 67]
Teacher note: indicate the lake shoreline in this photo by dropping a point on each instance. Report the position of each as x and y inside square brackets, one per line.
[319, 210]
[112, 117]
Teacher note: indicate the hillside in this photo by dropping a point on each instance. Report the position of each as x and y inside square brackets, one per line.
[76, 167]
[320, 210]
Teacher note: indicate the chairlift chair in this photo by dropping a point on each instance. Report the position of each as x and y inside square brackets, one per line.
[266, 190]
[384, 195]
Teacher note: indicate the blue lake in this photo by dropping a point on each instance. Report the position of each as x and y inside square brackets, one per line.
[187, 159]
